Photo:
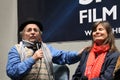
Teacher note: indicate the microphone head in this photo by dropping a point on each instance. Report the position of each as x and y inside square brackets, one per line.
[37, 44]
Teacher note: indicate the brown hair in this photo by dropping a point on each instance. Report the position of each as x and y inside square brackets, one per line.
[110, 39]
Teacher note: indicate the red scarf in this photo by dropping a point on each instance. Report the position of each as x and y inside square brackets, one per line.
[94, 64]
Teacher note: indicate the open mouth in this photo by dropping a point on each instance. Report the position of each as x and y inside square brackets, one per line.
[33, 37]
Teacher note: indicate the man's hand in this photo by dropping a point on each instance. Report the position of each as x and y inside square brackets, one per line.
[38, 54]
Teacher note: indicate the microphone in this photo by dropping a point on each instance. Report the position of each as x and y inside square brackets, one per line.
[37, 44]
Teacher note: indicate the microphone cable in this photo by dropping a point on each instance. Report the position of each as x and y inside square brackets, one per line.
[38, 70]
[38, 45]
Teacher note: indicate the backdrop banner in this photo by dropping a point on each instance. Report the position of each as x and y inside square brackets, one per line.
[70, 20]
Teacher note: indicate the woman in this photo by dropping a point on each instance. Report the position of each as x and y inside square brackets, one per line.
[98, 61]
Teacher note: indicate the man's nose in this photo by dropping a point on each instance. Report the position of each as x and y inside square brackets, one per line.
[33, 31]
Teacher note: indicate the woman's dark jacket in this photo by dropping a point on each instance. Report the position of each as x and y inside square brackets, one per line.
[106, 71]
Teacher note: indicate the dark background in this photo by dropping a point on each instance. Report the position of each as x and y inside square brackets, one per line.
[60, 18]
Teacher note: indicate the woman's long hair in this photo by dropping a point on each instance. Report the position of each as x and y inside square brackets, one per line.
[110, 39]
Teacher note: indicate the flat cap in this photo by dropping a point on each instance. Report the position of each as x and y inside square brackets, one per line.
[22, 26]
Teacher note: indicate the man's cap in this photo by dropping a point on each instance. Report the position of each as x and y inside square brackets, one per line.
[22, 26]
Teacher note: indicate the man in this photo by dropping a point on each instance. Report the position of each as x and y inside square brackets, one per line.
[32, 59]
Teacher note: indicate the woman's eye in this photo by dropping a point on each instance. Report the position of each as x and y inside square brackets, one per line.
[100, 29]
